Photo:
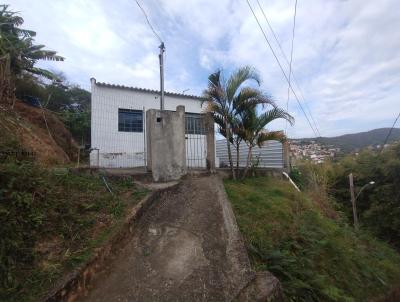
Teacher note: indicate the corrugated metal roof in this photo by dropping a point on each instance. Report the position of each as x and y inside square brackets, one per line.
[190, 96]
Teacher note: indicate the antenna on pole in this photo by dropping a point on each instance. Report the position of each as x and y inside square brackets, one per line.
[161, 57]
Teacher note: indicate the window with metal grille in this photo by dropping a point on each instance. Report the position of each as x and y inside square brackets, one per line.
[130, 120]
[194, 124]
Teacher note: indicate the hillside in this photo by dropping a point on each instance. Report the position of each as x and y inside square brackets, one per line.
[355, 141]
[309, 246]
[52, 222]
[23, 129]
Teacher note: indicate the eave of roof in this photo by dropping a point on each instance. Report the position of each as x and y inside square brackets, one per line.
[175, 94]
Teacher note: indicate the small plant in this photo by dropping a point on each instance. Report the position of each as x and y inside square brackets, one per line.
[297, 177]
[254, 165]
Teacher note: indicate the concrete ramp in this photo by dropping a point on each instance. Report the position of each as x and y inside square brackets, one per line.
[187, 248]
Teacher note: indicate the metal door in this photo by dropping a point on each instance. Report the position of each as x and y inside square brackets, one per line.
[196, 143]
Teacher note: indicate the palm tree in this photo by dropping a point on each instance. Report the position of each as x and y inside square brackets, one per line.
[17, 45]
[225, 98]
[253, 130]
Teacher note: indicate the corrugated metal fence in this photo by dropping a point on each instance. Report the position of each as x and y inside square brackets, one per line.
[268, 156]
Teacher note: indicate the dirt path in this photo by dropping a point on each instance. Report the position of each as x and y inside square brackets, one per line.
[186, 248]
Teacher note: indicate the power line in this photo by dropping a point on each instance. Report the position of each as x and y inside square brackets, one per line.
[390, 131]
[291, 56]
[287, 61]
[148, 21]
[280, 66]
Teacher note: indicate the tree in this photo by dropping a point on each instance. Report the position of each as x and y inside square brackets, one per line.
[379, 205]
[18, 45]
[225, 98]
[253, 130]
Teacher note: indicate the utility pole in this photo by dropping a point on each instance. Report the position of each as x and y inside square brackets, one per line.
[353, 201]
[161, 57]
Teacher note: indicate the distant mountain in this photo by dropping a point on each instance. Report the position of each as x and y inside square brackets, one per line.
[356, 141]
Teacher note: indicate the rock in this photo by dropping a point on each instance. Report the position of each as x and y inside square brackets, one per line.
[265, 287]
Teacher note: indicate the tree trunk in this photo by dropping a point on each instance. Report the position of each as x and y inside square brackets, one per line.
[247, 163]
[229, 150]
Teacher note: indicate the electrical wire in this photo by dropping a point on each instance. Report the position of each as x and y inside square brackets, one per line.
[148, 21]
[291, 58]
[287, 61]
[390, 131]
[280, 66]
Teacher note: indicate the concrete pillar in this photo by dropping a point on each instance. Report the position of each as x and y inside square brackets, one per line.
[210, 138]
[286, 156]
[166, 152]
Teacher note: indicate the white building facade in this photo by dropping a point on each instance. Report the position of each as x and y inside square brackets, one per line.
[118, 132]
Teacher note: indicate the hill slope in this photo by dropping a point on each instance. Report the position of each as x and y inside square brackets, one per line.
[355, 141]
[23, 129]
[308, 246]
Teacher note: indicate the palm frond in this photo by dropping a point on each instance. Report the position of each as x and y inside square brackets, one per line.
[44, 73]
[250, 97]
[274, 114]
[48, 55]
[240, 76]
[264, 136]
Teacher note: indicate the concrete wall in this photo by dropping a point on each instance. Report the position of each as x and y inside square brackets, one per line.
[124, 149]
[210, 142]
[166, 144]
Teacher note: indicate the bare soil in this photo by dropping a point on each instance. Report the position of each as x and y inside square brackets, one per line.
[26, 126]
[187, 248]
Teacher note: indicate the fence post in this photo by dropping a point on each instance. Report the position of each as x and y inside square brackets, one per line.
[286, 156]
[210, 138]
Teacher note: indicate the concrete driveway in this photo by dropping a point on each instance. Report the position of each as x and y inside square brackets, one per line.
[187, 248]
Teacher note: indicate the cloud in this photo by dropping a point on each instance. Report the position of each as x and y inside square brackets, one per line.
[346, 57]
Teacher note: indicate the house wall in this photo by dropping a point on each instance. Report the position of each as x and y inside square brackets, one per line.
[124, 149]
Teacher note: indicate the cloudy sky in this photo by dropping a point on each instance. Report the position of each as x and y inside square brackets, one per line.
[346, 57]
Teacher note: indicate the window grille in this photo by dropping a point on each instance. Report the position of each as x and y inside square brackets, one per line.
[194, 124]
[130, 120]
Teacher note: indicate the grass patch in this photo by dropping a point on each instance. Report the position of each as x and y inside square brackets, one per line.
[51, 222]
[315, 257]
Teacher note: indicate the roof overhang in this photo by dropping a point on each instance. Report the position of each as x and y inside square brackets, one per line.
[145, 90]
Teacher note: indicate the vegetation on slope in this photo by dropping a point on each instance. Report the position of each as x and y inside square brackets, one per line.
[51, 222]
[356, 141]
[68, 102]
[23, 129]
[315, 254]
[20, 75]
[378, 204]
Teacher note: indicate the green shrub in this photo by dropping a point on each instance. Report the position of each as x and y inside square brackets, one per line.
[297, 177]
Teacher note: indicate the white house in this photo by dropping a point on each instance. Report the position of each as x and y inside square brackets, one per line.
[118, 138]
